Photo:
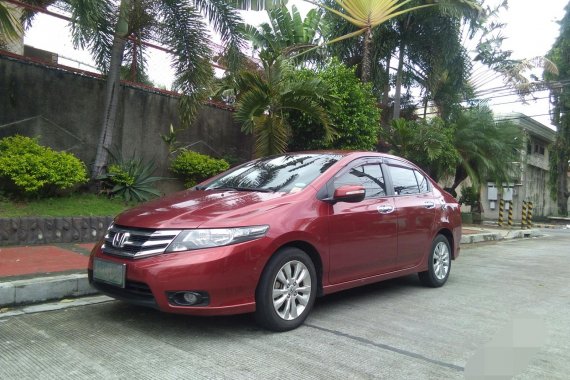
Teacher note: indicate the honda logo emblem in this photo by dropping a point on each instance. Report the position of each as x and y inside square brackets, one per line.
[120, 239]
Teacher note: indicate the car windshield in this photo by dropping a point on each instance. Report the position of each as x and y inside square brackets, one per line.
[287, 173]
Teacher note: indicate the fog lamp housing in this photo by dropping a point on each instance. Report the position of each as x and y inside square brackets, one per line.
[188, 298]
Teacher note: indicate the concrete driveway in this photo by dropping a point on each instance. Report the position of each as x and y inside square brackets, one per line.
[505, 311]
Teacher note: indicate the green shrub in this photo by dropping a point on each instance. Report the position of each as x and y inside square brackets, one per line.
[469, 196]
[194, 167]
[130, 178]
[354, 115]
[29, 169]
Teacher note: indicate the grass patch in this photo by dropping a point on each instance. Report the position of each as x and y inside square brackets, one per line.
[75, 205]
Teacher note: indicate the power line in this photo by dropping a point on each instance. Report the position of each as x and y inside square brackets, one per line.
[513, 92]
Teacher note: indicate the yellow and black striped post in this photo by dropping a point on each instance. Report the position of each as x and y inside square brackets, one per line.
[501, 212]
[510, 214]
[529, 216]
[524, 215]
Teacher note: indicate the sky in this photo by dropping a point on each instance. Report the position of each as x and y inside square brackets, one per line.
[531, 29]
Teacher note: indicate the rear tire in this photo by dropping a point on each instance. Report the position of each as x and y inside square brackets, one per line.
[439, 263]
[286, 291]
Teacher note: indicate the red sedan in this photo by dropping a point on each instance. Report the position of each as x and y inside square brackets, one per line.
[273, 234]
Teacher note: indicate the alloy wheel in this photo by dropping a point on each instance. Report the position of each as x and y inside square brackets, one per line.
[441, 259]
[291, 290]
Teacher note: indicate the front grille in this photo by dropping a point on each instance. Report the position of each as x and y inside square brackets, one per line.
[136, 243]
[137, 293]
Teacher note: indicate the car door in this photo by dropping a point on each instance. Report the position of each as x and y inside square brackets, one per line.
[415, 209]
[362, 235]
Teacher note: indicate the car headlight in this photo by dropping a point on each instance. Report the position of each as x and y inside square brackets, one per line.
[215, 237]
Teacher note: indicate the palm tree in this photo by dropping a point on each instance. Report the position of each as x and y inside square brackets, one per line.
[108, 28]
[417, 29]
[487, 149]
[264, 99]
[420, 42]
[367, 15]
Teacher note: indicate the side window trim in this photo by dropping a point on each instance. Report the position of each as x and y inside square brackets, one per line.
[428, 183]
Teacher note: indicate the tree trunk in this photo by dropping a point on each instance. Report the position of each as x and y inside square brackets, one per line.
[366, 57]
[398, 95]
[460, 176]
[386, 92]
[112, 92]
[562, 194]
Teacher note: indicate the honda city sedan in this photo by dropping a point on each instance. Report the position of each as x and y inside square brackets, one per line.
[271, 235]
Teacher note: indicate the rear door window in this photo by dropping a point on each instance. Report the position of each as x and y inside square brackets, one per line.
[404, 180]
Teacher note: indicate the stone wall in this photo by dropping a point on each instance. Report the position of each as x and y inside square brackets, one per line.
[64, 109]
[34, 230]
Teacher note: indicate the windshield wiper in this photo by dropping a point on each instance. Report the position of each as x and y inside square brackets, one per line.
[237, 188]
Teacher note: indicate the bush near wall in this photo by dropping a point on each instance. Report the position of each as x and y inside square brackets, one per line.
[194, 167]
[28, 169]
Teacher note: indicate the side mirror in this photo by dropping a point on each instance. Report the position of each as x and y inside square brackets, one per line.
[349, 193]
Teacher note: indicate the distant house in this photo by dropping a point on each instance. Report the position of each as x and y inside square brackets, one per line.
[531, 184]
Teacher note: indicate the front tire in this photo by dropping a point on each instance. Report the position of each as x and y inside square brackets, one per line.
[439, 263]
[286, 291]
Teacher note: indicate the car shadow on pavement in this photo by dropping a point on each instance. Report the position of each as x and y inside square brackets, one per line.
[164, 324]
[389, 288]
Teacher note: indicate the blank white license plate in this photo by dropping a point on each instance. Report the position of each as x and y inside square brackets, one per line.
[109, 272]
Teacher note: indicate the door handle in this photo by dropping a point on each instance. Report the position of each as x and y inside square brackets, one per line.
[385, 209]
[429, 204]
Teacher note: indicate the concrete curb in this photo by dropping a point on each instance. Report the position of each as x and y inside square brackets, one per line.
[57, 305]
[41, 289]
[480, 238]
[502, 235]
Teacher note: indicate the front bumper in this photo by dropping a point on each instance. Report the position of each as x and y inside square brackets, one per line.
[229, 275]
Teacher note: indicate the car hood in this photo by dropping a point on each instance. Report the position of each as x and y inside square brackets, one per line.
[192, 209]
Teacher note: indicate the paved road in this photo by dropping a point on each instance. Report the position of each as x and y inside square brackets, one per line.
[503, 300]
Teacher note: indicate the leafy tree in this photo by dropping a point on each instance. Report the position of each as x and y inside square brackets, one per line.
[264, 100]
[560, 97]
[354, 113]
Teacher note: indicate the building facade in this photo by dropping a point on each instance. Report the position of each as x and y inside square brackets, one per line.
[532, 175]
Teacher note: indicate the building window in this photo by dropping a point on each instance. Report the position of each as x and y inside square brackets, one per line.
[538, 149]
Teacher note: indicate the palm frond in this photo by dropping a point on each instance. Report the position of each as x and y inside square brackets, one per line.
[227, 22]
[10, 27]
[252, 104]
[271, 136]
[257, 5]
[183, 31]
[93, 27]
